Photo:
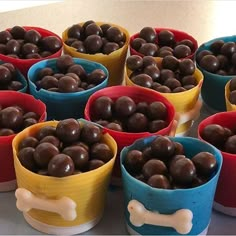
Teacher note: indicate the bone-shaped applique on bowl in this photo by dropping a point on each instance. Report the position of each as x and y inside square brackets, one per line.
[64, 206]
[181, 220]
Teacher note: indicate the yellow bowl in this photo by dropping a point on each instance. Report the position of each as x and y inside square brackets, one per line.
[114, 62]
[229, 105]
[183, 101]
[87, 190]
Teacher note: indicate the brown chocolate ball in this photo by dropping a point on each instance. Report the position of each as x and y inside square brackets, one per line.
[5, 75]
[153, 72]
[51, 44]
[67, 84]
[201, 54]
[137, 43]
[6, 132]
[51, 139]
[186, 67]
[186, 42]
[90, 133]
[172, 83]
[101, 151]
[137, 118]
[182, 171]
[163, 89]
[143, 80]
[13, 47]
[134, 62]
[91, 29]
[148, 49]
[78, 70]
[114, 126]
[79, 155]
[26, 158]
[102, 108]
[97, 76]
[5, 36]
[216, 46]
[93, 44]
[149, 61]
[205, 163]
[154, 167]
[68, 130]
[17, 32]
[29, 48]
[230, 144]
[170, 62]
[64, 62]
[228, 49]
[31, 114]
[114, 34]
[43, 153]
[166, 74]
[166, 38]
[28, 142]
[134, 161]
[232, 97]
[46, 131]
[48, 82]
[11, 117]
[164, 147]
[157, 111]
[124, 106]
[214, 134]
[110, 47]
[148, 34]
[28, 122]
[61, 165]
[159, 181]
[182, 51]
[74, 31]
[156, 125]
[209, 63]
[94, 164]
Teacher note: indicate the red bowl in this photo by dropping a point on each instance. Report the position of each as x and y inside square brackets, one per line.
[138, 94]
[24, 64]
[179, 35]
[226, 191]
[29, 103]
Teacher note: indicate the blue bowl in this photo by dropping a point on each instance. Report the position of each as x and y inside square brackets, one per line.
[64, 105]
[19, 77]
[213, 88]
[199, 200]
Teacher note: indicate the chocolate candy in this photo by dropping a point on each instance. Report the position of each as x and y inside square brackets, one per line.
[44, 152]
[182, 171]
[101, 151]
[11, 118]
[68, 130]
[205, 163]
[28, 142]
[90, 134]
[134, 161]
[124, 106]
[79, 155]
[94, 38]
[159, 181]
[6, 132]
[174, 75]
[28, 44]
[61, 165]
[169, 171]
[127, 114]
[137, 118]
[148, 34]
[154, 167]
[102, 108]
[26, 158]
[94, 164]
[164, 147]
[46, 131]
[64, 62]
[214, 134]
[230, 144]
[134, 62]
[209, 63]
[68, 77]
[162, 44]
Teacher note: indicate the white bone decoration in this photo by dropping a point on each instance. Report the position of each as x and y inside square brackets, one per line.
[64, 206]
[181, 220]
